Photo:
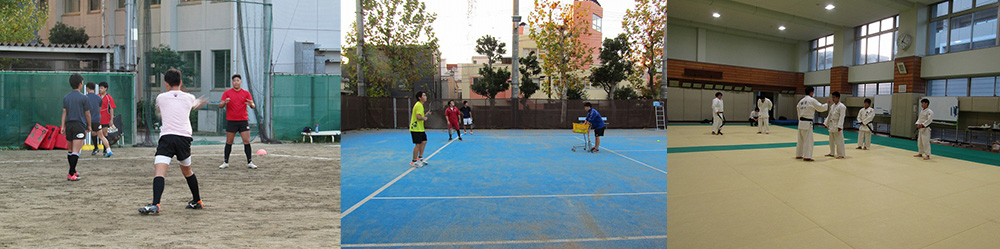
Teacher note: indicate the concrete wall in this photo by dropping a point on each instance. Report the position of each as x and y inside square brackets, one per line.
[686, 104]
[817, 78]
[875, 72]
[961, 64]
[710, 46]
[315, 21]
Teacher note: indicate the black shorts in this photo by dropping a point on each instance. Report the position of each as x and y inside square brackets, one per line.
[599, 132]
[75, 131]
[174, 145]
[418, 137]
[95, 127]
[237, 126]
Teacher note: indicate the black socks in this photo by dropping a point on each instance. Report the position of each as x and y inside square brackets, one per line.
[246, 149]
[229, 149]
[157, 189]
[72, 158]
[193, 185]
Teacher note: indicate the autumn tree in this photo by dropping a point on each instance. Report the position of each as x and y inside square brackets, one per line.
[400, 46]
[644, 26]
[557, 30]
[20, 20]
[529, 68]
[494, 79]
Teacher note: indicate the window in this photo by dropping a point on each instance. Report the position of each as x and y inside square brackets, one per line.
[821, 91]
[872, 89]
[876, 41]
[962, 87]
[121, 4]
[597, 23]
[71, 6]
[192, 61]
[821, 53]
[95, 5]
[221, 68]
[154, 2]
[966, 25]
[957, 87]
[982, 86]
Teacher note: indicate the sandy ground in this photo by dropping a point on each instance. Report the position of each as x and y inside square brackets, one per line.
[291, 200]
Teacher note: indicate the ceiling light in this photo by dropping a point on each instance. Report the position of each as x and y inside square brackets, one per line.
[830, 6]
[716, 15]
[781, 27]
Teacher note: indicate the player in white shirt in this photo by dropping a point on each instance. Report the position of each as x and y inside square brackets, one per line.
[865, 117]
[807, 108]
[175, 108]
[835, 123]
[765, 106]
[754, 117]
[924, 120]
[718, 119]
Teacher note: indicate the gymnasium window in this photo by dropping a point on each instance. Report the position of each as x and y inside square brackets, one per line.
[821, 91]
[876, 41]
[961, 25]
[821, 53]
[221, 68]
[872, 89]
[192, 60]
[964, 87]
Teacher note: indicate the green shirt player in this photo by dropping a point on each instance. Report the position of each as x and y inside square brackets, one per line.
[417, 130]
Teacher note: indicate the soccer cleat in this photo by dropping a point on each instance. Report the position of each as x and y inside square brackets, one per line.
[109, 154]
[251, 165]
[195, 205]
[150, 209]
[72, 177]
[224, 165]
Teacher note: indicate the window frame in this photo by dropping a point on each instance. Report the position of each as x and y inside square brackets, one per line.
[66, 9]
[967, 81]
[227, 83]
[861, 57]
[814, 53]
[196, 75]
[947, 18]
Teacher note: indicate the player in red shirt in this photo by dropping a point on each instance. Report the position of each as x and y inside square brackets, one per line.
[107, 117]
[452, 116]
[236, 100]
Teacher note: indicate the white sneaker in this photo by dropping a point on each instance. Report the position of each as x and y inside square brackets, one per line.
[422, 161]
[251, 166]
[224, 165]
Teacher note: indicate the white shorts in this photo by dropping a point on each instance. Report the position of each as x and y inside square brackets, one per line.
[467, 121]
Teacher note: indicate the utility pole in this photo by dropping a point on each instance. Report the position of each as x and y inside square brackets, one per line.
[663, 77]
[362, 90]
[514, 69]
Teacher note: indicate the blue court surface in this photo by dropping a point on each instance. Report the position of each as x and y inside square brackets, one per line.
[503, 189]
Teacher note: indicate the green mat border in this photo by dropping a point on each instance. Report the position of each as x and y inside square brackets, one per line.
[976, 156]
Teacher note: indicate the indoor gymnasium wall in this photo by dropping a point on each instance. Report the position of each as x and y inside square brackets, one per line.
[735, 50]
[961, 64]
[688, 105]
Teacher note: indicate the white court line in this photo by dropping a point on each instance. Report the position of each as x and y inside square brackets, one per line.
[505, 242]
[516, 196]
[629, 158]
[362, 202]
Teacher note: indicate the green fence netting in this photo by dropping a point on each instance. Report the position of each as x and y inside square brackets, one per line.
[304, 101]
[27, 98]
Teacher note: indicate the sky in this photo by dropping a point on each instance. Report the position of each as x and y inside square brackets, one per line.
[457, 30]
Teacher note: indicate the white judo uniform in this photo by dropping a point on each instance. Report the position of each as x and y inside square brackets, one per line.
[835, 123]
[807, 108]
[717, 117]
[925, 118]
[762, 122]
[865, 117]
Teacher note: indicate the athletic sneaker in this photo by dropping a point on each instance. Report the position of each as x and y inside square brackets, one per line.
[93, 153]
[224, 165]
[422, 161]
[77, 175]
[109, 154]
[416, 164]
[195, 205]
[72, 177]
[251, 166]
[150, 209]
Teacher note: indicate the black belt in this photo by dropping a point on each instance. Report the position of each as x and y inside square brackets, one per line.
[805, 119]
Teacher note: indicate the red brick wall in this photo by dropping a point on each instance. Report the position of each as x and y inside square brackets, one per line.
[912, 80]
[838, 81]
[586, 10]
[759, 79]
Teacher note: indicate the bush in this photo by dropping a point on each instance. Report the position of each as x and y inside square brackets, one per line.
[64, 34]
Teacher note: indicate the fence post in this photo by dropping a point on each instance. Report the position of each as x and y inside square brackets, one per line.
[394, 116]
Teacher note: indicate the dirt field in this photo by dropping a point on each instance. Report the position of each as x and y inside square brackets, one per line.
[291, 200]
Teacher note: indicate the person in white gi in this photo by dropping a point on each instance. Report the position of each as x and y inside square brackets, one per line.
[835, 122]
[765, 107]
[924, 130]
[807, 108]
[717, 117]
[865, 117]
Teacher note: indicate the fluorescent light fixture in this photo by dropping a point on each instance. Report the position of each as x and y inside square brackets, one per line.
[782, 27]
[716, 14]
[830, 6]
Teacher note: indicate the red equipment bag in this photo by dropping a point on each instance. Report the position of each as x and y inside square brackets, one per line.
[37, 136]
[50, 138]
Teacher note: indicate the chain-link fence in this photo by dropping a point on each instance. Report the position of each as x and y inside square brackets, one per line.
[27, 98]
[365, 112]
[301, 101]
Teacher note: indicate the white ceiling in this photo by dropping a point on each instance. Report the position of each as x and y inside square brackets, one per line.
[803, 19]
